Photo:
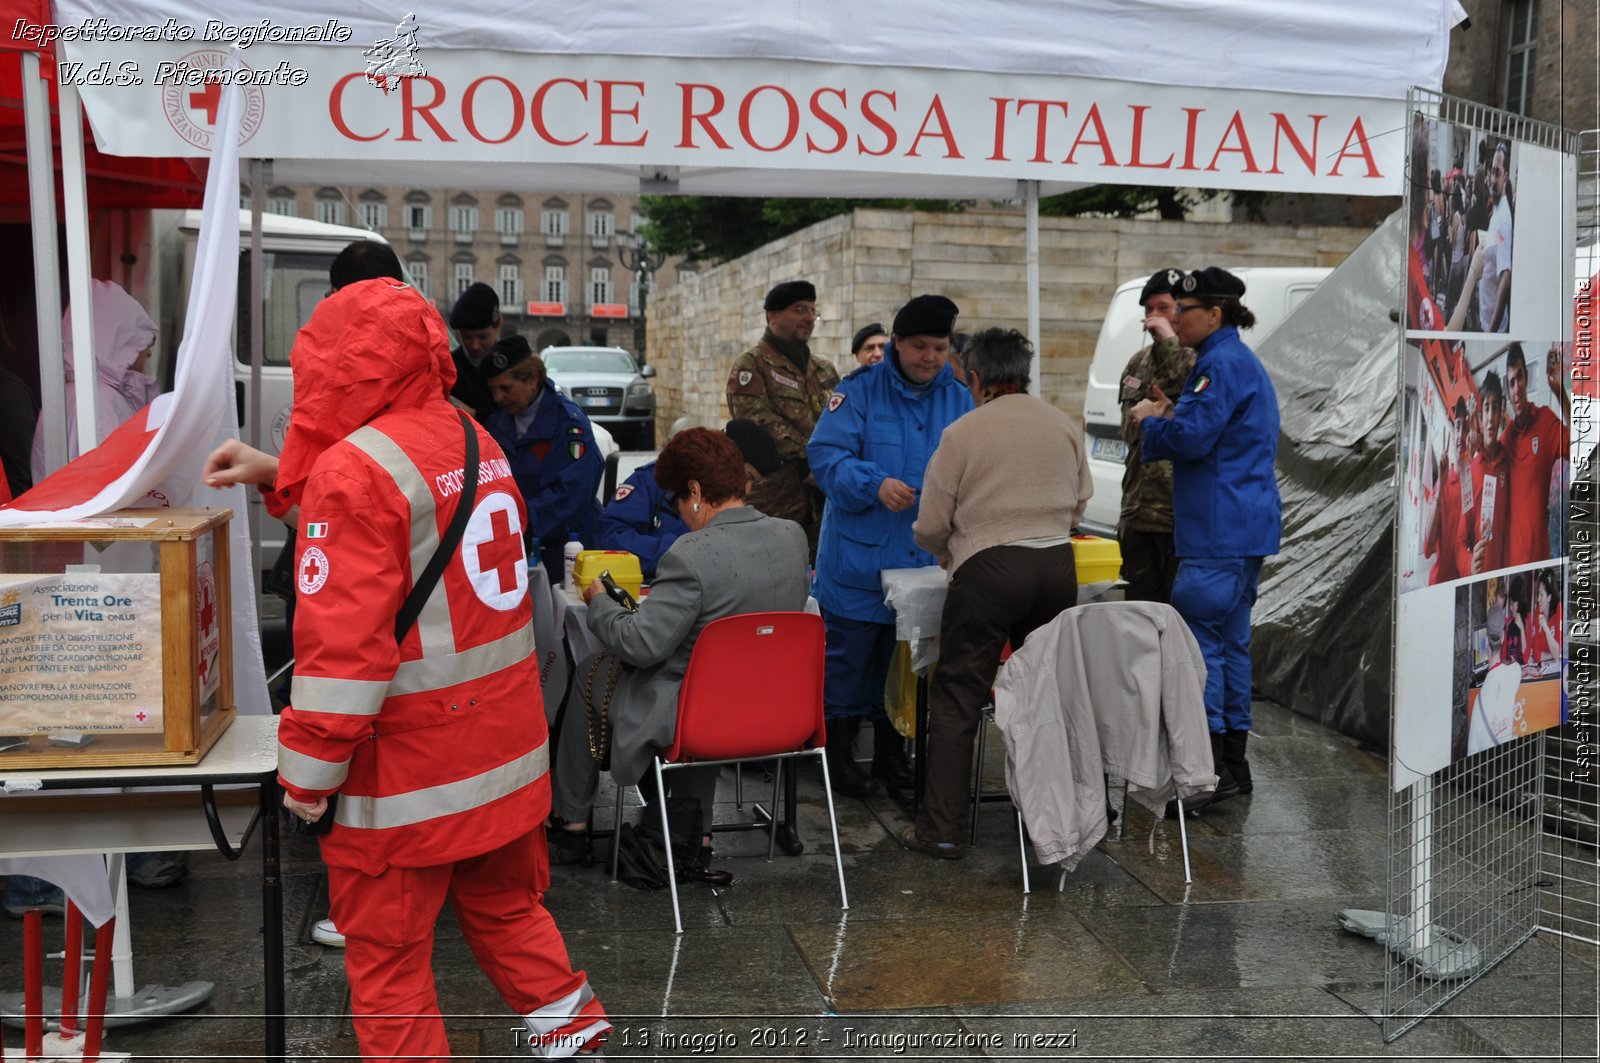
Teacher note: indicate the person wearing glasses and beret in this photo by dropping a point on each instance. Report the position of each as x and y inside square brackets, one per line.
[1221, 436]
[782, 388]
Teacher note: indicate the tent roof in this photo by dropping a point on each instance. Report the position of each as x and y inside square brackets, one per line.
[773, 97]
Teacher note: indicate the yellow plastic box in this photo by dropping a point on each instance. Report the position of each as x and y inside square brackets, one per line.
[623, 566]
[1097, 559]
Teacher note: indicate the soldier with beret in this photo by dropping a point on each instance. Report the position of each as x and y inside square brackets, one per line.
[550, 445]
[869, 452]
[476, 321]
[1221, 436]
[782, 388]
[1144, 530]
[868, 344]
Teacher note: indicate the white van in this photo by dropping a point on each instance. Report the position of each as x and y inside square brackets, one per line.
[1271, 293]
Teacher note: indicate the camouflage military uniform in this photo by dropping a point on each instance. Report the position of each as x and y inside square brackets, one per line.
[766, 388]
[1145, 526]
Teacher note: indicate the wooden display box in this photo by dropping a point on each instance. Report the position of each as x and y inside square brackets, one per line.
[116, 640]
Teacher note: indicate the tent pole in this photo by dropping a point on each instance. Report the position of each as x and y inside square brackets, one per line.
[1031, 194]
[75, 205]
[258, 198]
[46, 261]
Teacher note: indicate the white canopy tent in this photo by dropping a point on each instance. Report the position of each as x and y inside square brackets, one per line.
[1003, 99]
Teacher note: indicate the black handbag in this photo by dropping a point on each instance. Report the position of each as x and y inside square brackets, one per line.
[411, 608]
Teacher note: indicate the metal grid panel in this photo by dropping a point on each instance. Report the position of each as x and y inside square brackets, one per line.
[1463, 877]
[1477, 863]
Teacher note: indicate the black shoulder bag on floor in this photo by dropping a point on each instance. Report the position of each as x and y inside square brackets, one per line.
[411, 608]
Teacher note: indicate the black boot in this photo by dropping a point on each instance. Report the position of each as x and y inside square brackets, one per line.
[889, 761]
[1233, 743]
[1227, 785]
[843, 771]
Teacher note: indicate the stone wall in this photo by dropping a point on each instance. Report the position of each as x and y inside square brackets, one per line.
[868, 263]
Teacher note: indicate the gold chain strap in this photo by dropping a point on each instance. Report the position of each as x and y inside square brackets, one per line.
[599, 750]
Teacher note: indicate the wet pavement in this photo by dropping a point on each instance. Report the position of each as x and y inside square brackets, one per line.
[934, 958]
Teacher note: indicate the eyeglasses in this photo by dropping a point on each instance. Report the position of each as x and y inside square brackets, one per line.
[1186, 307]
[806, 311]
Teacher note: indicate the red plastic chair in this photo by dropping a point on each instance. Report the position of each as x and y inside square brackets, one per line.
[752, 691]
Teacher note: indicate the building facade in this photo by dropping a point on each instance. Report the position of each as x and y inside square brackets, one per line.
[559, 260]
[1531, 57]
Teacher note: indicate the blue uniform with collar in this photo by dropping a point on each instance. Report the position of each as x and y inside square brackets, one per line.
[1227, 515]
[642, 519]
[557, 466]
[876, 426]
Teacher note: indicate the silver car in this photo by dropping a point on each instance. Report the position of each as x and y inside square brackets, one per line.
[609, 386]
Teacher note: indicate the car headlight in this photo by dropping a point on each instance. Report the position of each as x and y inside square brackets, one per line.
[638, 391]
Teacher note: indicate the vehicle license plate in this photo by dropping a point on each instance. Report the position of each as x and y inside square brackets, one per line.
[596, 400]
[1108, 449]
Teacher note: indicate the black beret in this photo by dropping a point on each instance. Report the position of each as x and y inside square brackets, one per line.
[865, 334]
[755, 444]
[926, 315]
[1210, 283]
[477, 308]
[507, 353]
[1161, 282]
[788, 293]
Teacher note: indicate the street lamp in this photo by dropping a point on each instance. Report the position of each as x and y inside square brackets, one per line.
[640, 261]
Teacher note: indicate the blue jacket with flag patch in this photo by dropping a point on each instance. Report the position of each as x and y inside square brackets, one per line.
[642, 519]
[876, 426]
[1222, 441]
[558, 467]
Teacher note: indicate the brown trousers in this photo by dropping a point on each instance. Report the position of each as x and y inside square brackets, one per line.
[999, 594]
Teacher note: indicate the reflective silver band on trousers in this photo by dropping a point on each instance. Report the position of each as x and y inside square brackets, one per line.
[364, 697]
[309, 773]
[433, 624]
[446, 799]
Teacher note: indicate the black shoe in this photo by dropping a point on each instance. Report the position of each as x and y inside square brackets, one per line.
[845, 774]
[1227, 785]
[889, 760]
[570, 846]
[1233, 745]
[698, 868]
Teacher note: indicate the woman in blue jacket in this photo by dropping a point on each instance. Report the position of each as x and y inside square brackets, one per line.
[1222, 439]
[868, 454]
[550, 445]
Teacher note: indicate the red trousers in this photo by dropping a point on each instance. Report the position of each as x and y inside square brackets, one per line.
[388, 920]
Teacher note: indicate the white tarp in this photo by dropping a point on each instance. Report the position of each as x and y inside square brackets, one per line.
[827, 97]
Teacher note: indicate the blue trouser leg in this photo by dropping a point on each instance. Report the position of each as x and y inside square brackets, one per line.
[857, 665]
[1214, 596]
[1236, 651]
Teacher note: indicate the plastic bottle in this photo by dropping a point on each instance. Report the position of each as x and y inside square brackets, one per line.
[569, 554]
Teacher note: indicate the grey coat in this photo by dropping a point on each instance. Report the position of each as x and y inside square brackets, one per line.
[742, 562]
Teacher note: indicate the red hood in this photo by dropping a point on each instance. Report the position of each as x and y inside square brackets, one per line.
[370, 347]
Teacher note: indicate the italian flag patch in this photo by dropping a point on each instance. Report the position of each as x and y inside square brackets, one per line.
[1201, 384]
[576, 450]
[317, 531]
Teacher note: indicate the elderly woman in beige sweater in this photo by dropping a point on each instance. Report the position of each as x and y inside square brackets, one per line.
[999, 502]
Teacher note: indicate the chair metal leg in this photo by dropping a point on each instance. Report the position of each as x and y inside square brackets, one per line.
[977, 775]
[616, 835]
[666, 840]
[738, 787]
[772, 832]
[1183, 835]
[833, 825]
[1122, 821]
[1022, 847]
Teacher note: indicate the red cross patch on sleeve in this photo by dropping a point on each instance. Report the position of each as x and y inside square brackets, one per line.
[835, 400]
[622, 492]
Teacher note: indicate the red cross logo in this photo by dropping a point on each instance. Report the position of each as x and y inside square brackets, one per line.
[140, 716]
[313, 570]
[502, 552]
[208, 100]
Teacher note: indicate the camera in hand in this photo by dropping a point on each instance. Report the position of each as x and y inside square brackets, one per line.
[616, 593]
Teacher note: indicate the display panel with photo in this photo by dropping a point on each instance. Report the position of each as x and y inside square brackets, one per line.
[1485, 458]
[1509, 642]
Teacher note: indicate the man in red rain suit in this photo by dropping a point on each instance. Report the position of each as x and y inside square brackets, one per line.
[436, 746]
